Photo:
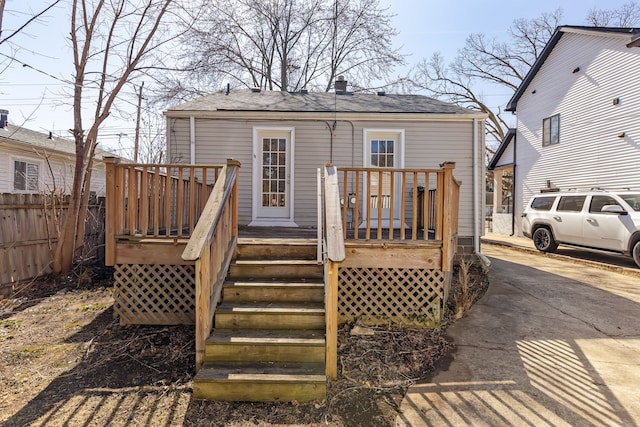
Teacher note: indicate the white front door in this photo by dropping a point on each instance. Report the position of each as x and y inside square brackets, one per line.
[383, 149]
[273, 170]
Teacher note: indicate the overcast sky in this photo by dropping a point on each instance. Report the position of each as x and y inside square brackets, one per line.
[426, 26]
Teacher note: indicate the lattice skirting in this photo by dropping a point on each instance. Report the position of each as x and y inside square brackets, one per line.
[399, 296]
[151, 294]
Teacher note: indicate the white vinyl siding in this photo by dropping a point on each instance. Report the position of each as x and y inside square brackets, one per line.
[593, 151]
[427, 145]
[54, 174]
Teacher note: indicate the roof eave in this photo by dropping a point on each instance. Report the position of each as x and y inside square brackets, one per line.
[329, 115]
[513, 102]
[511, 133]
[553, 41]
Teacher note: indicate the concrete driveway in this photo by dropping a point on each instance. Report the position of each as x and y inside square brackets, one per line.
[552, 343]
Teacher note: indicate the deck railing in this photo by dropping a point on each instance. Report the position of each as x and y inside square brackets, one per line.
[154, 200]
[333, 238]
[388, 204]
[212, 248]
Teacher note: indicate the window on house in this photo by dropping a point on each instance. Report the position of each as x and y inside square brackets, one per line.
[25, 176]
[551, 130]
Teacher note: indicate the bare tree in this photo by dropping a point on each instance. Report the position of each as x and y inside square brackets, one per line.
[628, 15]
[31, 19]
[287, 45]
[485, 62]
[111, 40]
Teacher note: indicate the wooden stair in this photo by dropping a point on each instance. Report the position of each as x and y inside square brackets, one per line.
[268, 342]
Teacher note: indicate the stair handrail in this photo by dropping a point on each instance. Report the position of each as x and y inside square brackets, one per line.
[335, 254]
[213, 247]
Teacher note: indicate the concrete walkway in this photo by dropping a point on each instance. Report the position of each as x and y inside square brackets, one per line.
[552, 343]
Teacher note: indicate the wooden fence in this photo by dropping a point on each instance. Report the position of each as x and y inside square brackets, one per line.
[28, 235]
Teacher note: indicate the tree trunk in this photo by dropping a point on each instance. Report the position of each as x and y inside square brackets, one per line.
[63, 259]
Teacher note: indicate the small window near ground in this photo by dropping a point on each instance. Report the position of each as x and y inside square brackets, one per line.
[25, 176]
[597, 202]
[551, 130]
[542, 203]
[571, 203]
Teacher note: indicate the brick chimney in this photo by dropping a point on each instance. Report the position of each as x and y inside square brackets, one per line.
[340, 85]
[3, 118]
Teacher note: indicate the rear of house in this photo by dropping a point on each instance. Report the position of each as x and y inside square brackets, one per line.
[281, 139]
[266, 300]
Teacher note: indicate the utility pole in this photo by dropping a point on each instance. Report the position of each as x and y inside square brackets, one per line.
[136, 143]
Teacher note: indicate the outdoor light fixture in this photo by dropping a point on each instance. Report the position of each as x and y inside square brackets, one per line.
[622, 134]
[616, 101]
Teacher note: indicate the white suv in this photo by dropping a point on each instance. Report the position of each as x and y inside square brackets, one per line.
[597, 219]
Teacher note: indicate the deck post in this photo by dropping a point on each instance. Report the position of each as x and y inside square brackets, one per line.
[331, 313]
[110, 210]
[335, 255]
[234, 200]
[447, 216]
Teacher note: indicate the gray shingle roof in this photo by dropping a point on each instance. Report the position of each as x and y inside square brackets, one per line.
[41, 140]
[271, 101]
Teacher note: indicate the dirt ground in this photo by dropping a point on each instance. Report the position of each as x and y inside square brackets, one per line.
[64, 360]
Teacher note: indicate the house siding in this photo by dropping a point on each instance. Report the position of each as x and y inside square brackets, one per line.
[62, 168]
[507, 158]
[427, 145]
[590, 152]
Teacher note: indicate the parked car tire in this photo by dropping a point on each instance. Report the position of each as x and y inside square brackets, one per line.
[636, 253]
[543, 240]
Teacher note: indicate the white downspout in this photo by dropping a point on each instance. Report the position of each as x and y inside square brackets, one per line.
[476, 185]
[192, 140]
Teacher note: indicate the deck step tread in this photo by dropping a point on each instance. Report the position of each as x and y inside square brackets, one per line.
[276, 241]
[267, 337]
[271, 307]
[276, 262]
[262, 371]
[311, 283]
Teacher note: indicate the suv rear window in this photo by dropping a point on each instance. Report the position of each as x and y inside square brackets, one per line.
[571, 203]
[542, 203]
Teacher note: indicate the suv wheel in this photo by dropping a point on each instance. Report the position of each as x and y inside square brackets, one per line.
[544, 241]
[636, 253]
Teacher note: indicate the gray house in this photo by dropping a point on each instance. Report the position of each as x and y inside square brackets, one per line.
[282, 138]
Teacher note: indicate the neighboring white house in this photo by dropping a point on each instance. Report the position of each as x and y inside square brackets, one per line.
[35, 162]
[311, 129]
[578, 120]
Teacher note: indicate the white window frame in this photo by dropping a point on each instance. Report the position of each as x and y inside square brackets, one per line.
[546, 139]
[28, 161]
[381, 133]
[256, 170]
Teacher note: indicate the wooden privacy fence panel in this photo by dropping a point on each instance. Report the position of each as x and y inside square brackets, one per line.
[153, 294]
[28, 235]
[401, 296]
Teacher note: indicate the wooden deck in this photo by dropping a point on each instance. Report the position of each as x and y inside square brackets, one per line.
[174, 254]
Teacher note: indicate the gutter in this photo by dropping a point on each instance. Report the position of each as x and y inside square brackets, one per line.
[476, 199]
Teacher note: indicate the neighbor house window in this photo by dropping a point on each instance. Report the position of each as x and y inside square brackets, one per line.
[551, 130]
[25, 176]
